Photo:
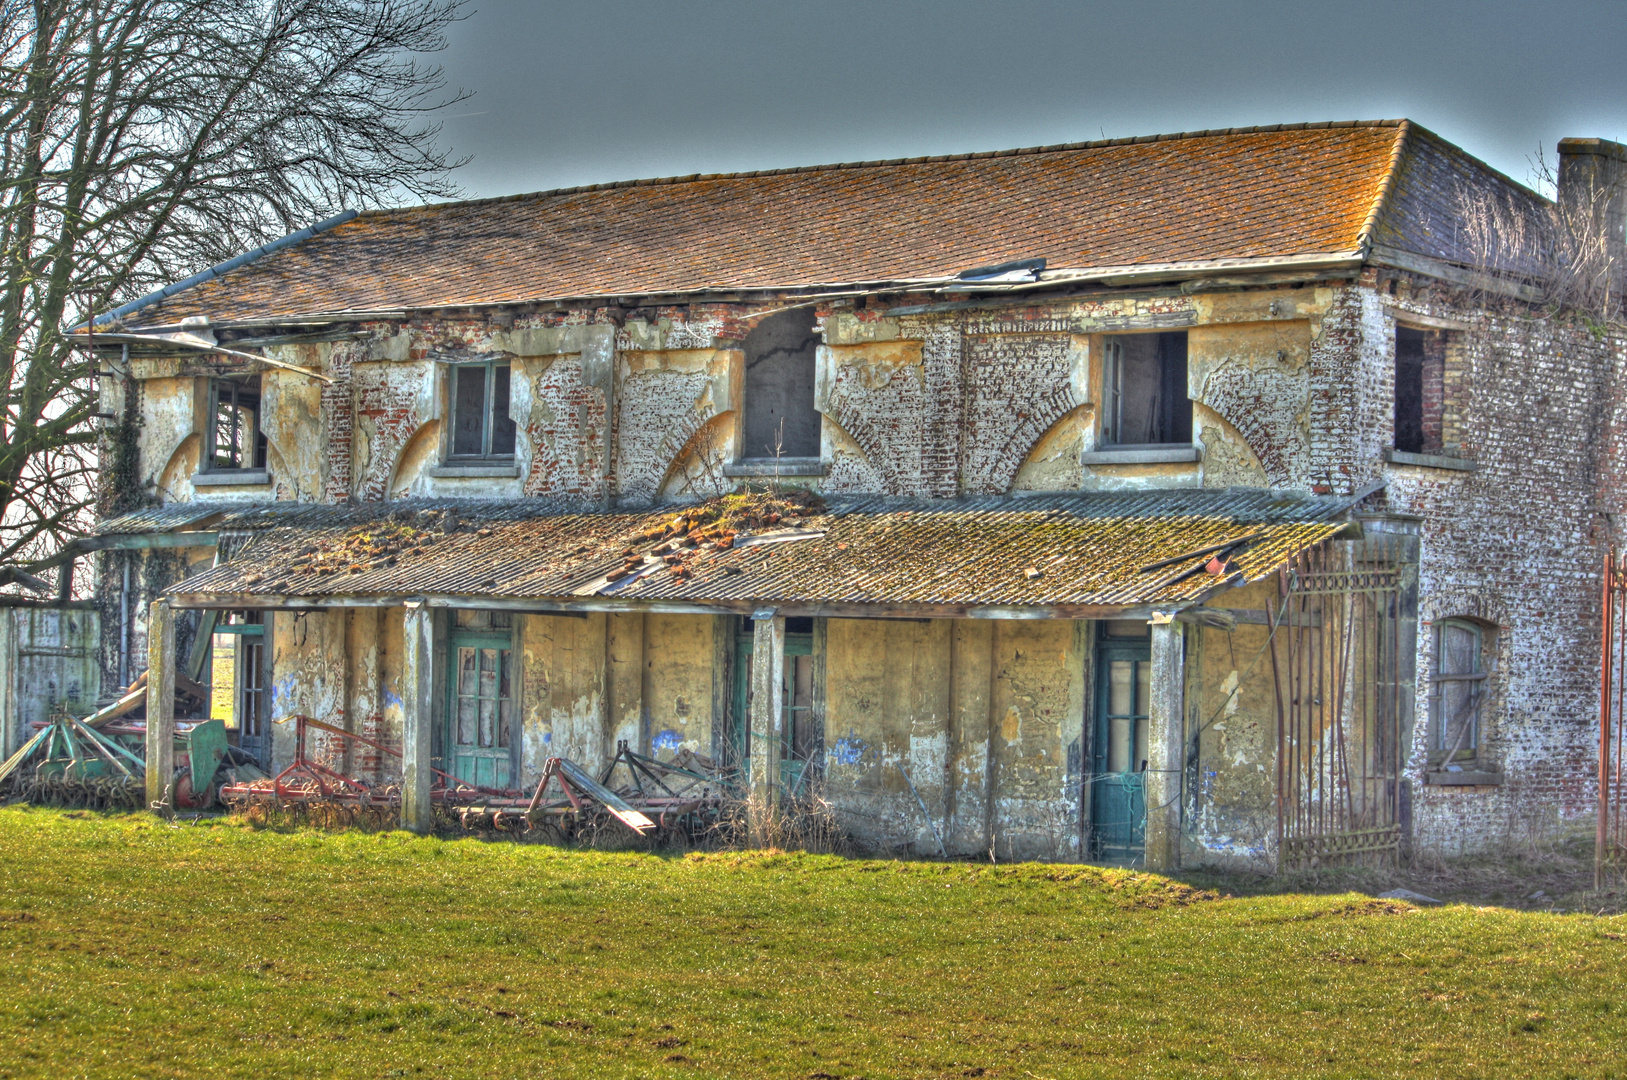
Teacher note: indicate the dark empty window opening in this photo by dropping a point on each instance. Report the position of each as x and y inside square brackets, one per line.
[1144, 401]
[780, 418]
[1420, 375]
[235, 439]
[481, 426]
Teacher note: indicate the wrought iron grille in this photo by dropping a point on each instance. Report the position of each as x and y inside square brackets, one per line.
[1335, 657]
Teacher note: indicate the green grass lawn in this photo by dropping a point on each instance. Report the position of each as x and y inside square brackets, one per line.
[129, 948]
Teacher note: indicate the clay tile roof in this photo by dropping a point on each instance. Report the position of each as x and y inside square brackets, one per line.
[1090, 551]
[1238, 194]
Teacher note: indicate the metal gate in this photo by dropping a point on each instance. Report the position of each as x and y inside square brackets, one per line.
[1610, 851]
[1335, 657]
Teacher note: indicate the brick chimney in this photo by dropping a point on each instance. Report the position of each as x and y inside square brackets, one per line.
[1593, 183]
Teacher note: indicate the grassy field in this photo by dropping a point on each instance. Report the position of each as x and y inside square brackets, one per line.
[129, 948]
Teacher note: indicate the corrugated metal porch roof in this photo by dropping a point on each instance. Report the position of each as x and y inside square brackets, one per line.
[1088, 551]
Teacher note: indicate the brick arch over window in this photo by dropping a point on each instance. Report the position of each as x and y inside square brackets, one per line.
[567, 428]
[654, 427]
[702, 457]
[388, 413]
[887, 422]
[1018, 387]
[1265, 407]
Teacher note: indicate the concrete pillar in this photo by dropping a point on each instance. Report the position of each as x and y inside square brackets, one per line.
[1166, 744]
[767, 709]
[626, 678]
[160, 748]
[971, 659]
[418, 717]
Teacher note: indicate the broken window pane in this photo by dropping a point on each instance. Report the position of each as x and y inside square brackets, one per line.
[469, 411]
[1144, 399]
[502, 427]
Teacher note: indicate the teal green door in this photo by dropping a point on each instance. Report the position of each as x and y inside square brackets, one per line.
[801, 743]
[481, 710]
[1118, 803]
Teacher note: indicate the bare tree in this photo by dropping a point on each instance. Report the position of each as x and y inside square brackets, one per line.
[143, 140]
[1558, 253]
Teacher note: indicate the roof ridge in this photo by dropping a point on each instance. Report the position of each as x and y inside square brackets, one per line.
[1050, 148]
[1386, 187]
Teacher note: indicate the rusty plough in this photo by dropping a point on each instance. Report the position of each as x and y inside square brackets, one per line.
[655, 797]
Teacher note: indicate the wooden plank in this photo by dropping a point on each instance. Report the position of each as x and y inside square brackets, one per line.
[160, 751]
[614, 803]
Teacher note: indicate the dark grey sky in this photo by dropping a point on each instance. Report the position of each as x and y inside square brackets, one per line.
[575, 93]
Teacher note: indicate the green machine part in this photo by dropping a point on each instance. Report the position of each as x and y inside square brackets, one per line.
[206, 745]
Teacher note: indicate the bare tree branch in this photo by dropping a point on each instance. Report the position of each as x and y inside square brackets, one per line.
[143, 140]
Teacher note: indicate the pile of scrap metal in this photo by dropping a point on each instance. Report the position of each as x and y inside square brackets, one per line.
[667, 797]
[99, 762]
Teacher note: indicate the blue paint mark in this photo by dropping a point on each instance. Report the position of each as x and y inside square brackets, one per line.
[847, 751]
[667, 740]
[547, 737]
[392, 699]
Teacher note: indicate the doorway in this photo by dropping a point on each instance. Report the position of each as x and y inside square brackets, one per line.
[480, 706]
[1118, 802]
[803, 736]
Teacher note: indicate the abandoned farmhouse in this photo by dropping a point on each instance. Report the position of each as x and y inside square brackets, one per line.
[1178, 501]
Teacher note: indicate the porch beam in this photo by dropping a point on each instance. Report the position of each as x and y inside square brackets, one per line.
[671, 607]
[160, 740]
[418, 717]
[1166, 749]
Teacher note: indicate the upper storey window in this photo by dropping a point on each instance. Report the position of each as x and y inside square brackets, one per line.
[235, 439]
[1144, 401]
[482, 429]
[780, 419]
[1420, 390]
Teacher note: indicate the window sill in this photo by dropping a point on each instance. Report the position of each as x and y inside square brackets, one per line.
[1466, 778]
[1142, 455]
[232, 478]
[1430, 461]
[492, 470]
[799, 466]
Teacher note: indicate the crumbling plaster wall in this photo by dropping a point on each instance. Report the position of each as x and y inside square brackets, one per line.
[1229, 810]
[985, 719]
[989, 401]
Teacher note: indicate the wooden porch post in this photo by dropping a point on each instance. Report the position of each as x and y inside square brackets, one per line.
[1166, 744]
[418, 713]
[160, 744]
[767, 718]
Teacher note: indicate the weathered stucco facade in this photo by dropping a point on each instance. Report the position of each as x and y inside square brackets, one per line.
[981, 733]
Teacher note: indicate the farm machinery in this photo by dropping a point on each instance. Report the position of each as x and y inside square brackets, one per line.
[98, 761]
[642, 794]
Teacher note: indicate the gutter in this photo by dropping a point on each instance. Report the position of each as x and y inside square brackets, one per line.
[201, 344]
[217, 270]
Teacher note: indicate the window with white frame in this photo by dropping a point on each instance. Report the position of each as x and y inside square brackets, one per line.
[482, 429]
